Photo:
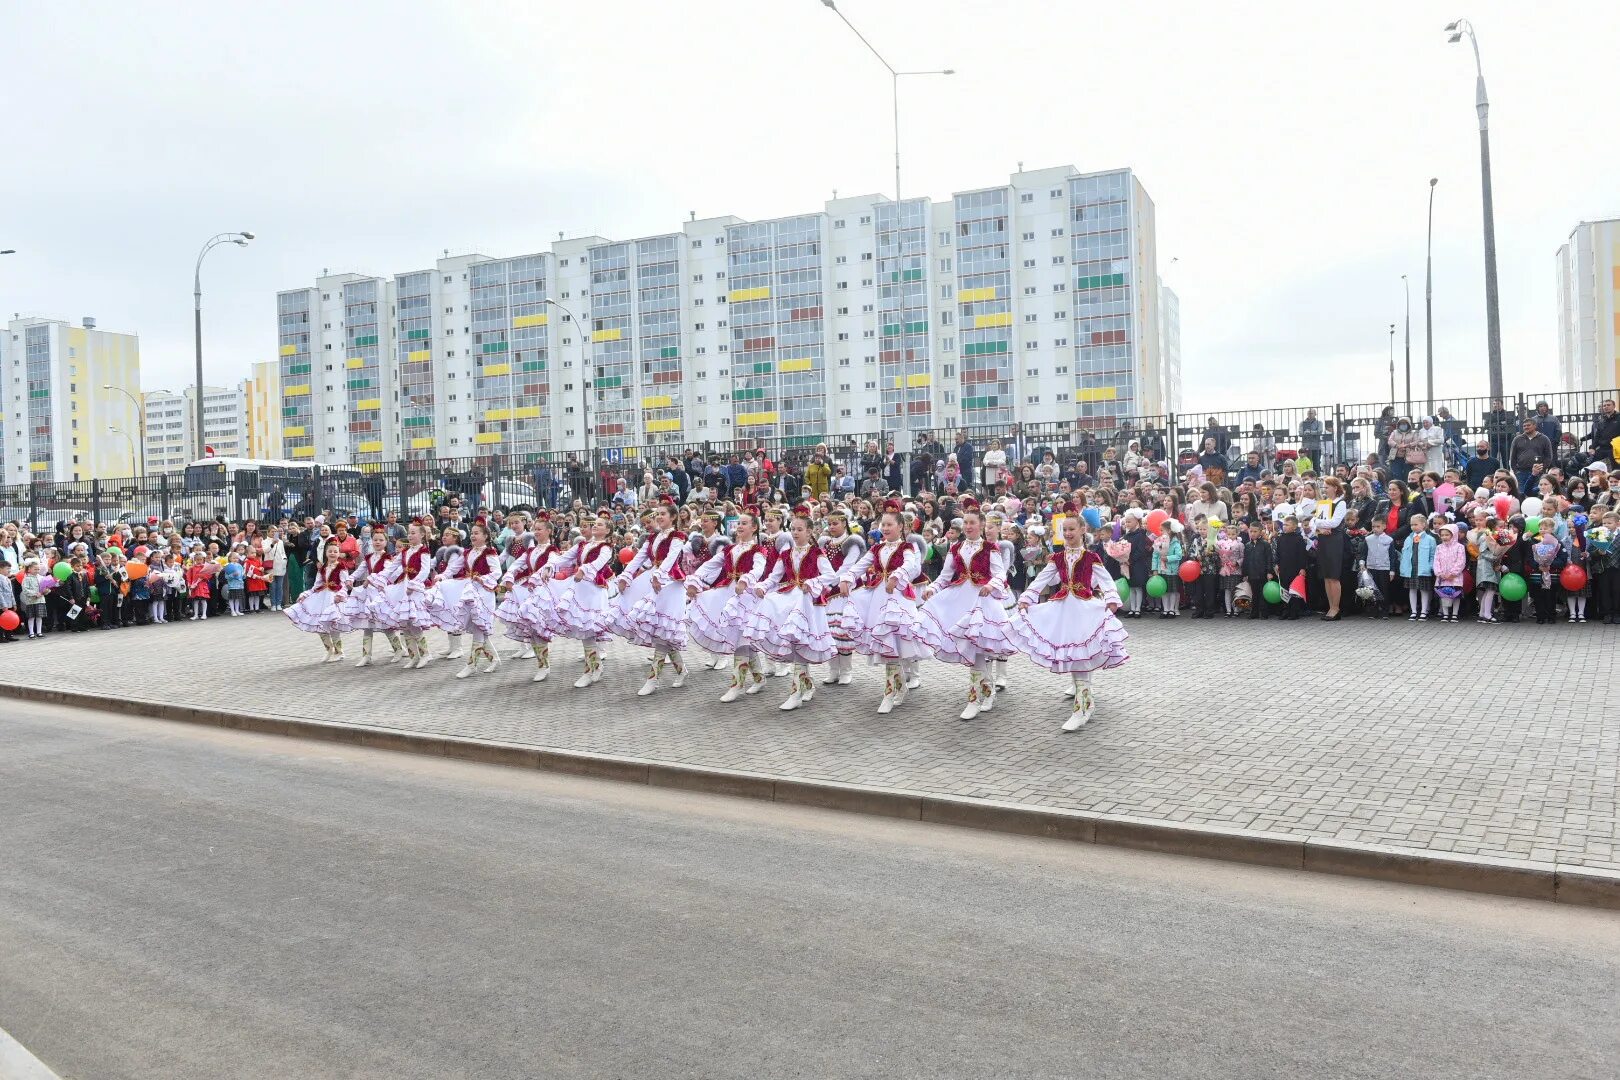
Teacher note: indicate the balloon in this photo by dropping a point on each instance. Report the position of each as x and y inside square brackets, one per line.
[1156, 520]
[1272, 592]
[9, 621]
[1468, 581]
[95, 595]
[1123, 586]
[135, 570]
[1532, 526]
[1157, 586]
[1190, 570]
[1513, 587]
[1572, 578]
[626, 554]
[1445, 493]
[142, 551]
[61, 571]
[1093, 517]
[1531, 506]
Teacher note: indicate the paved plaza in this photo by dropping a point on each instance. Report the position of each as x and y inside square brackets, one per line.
[1478, 740]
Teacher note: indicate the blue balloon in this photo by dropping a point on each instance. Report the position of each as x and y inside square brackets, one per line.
[1093, 517]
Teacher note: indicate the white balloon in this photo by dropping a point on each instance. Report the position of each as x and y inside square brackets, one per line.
[1531, 507]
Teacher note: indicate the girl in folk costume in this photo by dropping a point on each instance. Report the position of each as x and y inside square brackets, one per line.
[450, 579]
[1074, 631]
[412, 596]
[881, 618]
[319, 611]
[700, 548]
[651, 609]
[775, 537]
[1009, 551]
[529, 609]
[478, 599]
[367, 607]
[843, 548]
[520, 539]
[790, 623]
[963, 607]
[723, 600]
[580, 583]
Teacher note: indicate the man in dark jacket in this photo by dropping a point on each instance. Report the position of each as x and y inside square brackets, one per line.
[1529, 455]
[1605, 429]
[1499, 429]
[964, 457]
[1482, 466]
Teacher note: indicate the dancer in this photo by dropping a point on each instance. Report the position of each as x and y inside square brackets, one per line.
[518, 544]
[790, 623]
[450, 577]
[881, 618]
[412, 597]
[964, 608]
[700, 548]
[774, 537]
[719, 613]
[992, 535]
[366, 608]
[582, 601]
[319, 611]
[842, 547]
[529, 609]
[1075, 631]
[477, 614]
[651, 609]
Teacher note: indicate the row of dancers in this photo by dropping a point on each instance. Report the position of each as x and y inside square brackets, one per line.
[787, 598]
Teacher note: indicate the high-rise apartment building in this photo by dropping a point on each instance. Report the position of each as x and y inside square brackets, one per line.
[170, 439]
[1036, 300]
[70, 397]
[1170, 347]
[1589, 307]
[261, 404]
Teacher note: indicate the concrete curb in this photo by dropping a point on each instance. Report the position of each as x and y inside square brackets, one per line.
[16, 1063]
[1556, 883]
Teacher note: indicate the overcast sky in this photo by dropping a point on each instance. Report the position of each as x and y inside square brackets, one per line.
[1288, 152]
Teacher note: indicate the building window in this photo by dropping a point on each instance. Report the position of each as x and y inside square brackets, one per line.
[843, 361]
[1063, 397]
[1028, 196]
[843, 336]
[1060, 342]
[1033, 399]
[1032, 344]
[843, 311]
[841, 260]
[1033, 373]
[1029, 264]
[1029, 290]
[948, 344]
[1057, 232]
[701, 350]
[843, 388]
[944, 266]
[866, 333]
[866, 309]
[697, 277]
[1057, 260]
[843, 284]
[1060, 315]
[1060, 287]
[866, 283]
[949, 371]
[871, 410]
[944, 292]
[843, 412]
[866, 256]
[697, 326]
[866, 219]
[1031, 318]
[945, 238]
[1029, 236]
[838, 223]
[1057, 193]
[697, 243]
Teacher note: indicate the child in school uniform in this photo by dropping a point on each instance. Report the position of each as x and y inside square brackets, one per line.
[258, 579]
[1417, 567]
[1259, 567]
[8, 597]
[1292, 558]
[1229, 550]
[235, 577]
[1450, 565]
[199, 584]
[32, 596]
[1547, 561]
[1379, 548]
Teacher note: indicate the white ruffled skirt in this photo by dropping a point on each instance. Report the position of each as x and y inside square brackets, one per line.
[1071, 635]
[718, 619]
[318, 612]
[404, 607]
[969, 627]
[366, 609]
[582, 611]
[886, 626]
[789, 627]
[652, 618]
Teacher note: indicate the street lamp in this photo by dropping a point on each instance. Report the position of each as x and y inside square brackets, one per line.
[140, 421]
[125, 434]
[8, 251]
[1428, 297]
[584, 399]
[1493, 320]
[240, 239]
[1392, 363]
[1407, 285]
[894, 77]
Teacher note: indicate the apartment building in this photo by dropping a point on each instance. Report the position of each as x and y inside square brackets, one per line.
[71, 401]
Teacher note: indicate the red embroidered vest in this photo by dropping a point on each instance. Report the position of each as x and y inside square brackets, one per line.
[882, 566]
[413, 564]
[587, 554]
[334, 578]
[376, 563]
[480, 565]
[1080, 584]
[794, 572]
[732, 569]
[975, 570]
[657, 554]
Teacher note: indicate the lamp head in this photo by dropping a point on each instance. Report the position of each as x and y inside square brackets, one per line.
[1455, 37]
[8, 251]
[1433, 180]
[1451, 26]
[246, 235]
[948, 71]
[549, 300]
[829, 4]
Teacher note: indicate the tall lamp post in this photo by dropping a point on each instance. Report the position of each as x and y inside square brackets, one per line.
[125, 434]
[240, 239]
[140, 423]
[1392, 363]
[1428, 297]
[1407, 285]
[1482, 105]
[894, 79]
[584, 393]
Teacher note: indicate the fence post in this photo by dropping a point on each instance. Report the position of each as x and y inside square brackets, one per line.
[1173, 450]
[95, 500]
[163, 495]
[1338, 435]
[318, 500]
[1520, 411]
[33, 505]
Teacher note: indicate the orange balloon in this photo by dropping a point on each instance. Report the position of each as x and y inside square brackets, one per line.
[135, 570]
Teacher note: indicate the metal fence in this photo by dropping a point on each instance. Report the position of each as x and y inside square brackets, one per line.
[1329, 433]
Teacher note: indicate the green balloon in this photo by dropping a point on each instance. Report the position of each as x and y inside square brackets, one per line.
[95, 595]
[1513, 587]
[1123, 585]
[1273, 592]
[1532, 526]
[62, 571]
[1157, 586]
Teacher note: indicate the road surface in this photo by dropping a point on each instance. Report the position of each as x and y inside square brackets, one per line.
[185, 902]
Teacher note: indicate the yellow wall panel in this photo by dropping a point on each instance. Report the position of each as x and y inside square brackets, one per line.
[527, 412]
[613, 334]
[418, 356]
[802, 363]
[657, 401]
[292, 432]
[663, 425]
[368, 403]
[973, 296]
[36, 466]
[354, 362]
[1002, 319]
[754, 419]
[484, 438]
[303, 451]
[529, 320]
[370, 446]
[490, 370]
[738, 296]
[295, 391]
[919, 380]
[497, 414]
[289, 350]
[1097, 393]
[422, 444]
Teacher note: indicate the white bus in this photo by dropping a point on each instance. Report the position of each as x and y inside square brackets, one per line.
[242, 488]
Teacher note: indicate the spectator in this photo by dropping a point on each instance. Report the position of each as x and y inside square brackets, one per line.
[965, 454]
[1499, 429]
[1529, 455]
[1605, 429]
[1310, 436]
[818, 474]
[1547, 423]
[1482, 466]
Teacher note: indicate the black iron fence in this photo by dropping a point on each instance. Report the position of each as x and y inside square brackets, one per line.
[1328, 433]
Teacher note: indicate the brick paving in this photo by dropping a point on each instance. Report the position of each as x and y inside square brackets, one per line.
[1489, 740]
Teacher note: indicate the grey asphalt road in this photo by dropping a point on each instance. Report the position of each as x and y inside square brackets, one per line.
[184, 902]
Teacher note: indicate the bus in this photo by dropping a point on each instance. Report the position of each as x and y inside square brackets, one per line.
[242, 488]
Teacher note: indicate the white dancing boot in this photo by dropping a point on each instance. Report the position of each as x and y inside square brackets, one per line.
[470, 666]
[422, 654]
[739, 674]
[913, 680]
[453, 649]
[337, 651]
[987, 693]
[833, 667]
[583, 681]
[893, 683]
[493, 657]
[999, 669]
[794, 700]
[394, 647]
[680, 672]
[781, 670]
[971, 710]
[525, 653]
[846, 670]
[807, 685]
[326, 643]
[542, 664]
[756, 676]
[365, 653]
[1082, 708]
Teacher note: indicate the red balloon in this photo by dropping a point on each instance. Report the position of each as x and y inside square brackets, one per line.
[9, 621]
[1572, 578]
[1156, 520]
[1190, 571]
[626, 554]
[1468, 582]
